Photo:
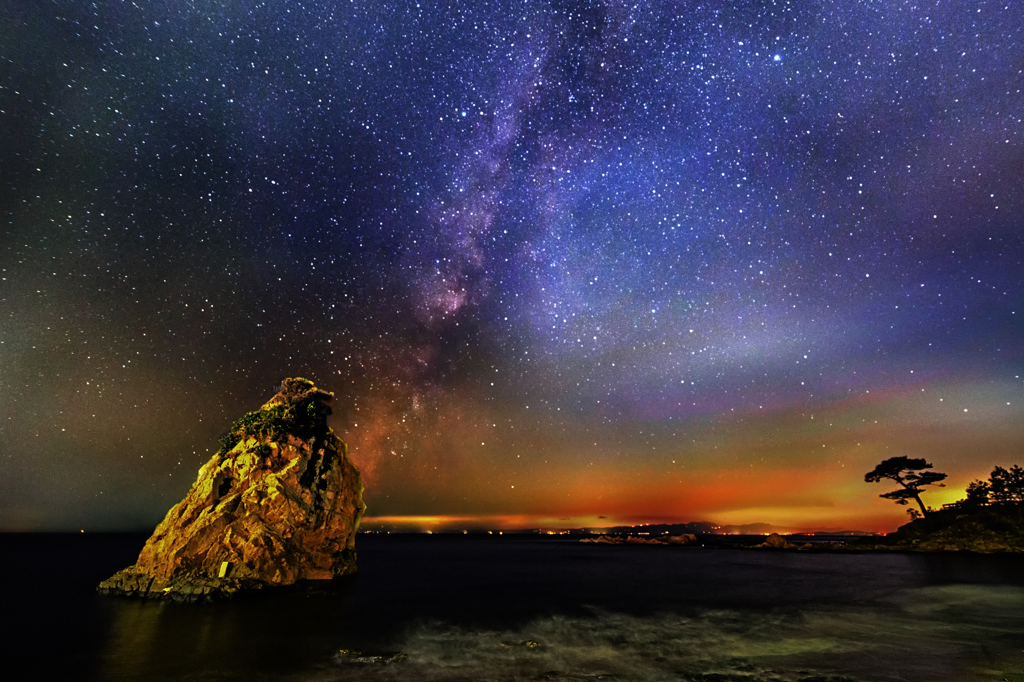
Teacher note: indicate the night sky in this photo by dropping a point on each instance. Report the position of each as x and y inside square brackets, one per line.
[663, 261]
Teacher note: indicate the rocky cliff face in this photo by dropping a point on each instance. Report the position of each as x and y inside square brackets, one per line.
[280, 502]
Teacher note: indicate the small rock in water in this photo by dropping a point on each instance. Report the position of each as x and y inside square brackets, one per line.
[775, 541]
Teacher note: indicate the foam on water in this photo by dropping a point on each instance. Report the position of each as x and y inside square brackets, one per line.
[958, 632]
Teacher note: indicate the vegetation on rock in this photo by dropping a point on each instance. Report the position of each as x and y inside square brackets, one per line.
[984, 530]
[274, 423]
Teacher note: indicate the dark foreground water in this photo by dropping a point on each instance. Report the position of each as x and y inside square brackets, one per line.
[474, 608]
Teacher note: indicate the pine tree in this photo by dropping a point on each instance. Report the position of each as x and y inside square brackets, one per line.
[908, 472]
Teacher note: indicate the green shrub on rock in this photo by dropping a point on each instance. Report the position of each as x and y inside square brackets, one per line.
[303, 420]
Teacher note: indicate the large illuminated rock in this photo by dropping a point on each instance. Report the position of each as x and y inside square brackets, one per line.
[279, 503]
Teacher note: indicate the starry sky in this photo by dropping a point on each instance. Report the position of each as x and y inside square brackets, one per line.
[562, 263]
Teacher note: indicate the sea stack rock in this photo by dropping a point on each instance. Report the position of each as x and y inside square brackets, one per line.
[280, 502]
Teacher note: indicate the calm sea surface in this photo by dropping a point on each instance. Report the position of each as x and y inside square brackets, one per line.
[527, 608]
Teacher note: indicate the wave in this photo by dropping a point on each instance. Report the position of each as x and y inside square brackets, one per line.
[958, 632]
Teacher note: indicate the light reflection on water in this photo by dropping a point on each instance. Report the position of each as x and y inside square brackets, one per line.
[261, 636]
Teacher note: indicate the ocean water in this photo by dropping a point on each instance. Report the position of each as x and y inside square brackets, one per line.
[503, 608]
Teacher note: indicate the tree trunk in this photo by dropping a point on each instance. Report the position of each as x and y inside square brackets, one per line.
[924, 512]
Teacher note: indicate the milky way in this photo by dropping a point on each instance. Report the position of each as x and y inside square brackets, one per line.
[558, 261]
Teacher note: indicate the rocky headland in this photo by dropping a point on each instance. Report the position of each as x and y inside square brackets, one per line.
[279, 503]
[979, 530]
[983, 530]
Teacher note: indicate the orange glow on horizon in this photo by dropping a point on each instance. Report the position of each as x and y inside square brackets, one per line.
[795, 499]
[458, 523]
[874, 523]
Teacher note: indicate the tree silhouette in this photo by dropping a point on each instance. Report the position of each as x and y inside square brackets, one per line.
[1007, 486]
[977, 494]
[909, 474]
